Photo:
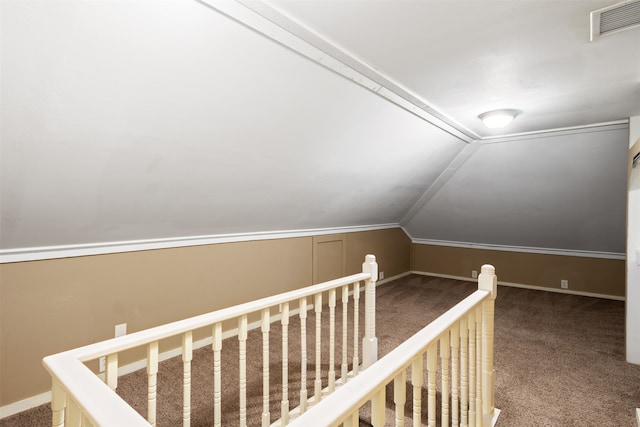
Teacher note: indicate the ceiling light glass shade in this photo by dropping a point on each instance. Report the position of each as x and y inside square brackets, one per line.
[498, 118]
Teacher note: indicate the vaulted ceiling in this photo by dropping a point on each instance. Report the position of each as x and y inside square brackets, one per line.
[138, 120]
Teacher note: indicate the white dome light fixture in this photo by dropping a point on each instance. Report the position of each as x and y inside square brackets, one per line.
[497, 119]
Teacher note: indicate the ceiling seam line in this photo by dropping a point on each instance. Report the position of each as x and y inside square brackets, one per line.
[344, 57]
[447, 173]
[545, 131]
[387, 90]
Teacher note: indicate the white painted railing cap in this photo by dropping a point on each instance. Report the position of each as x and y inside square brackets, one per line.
[488, 269]
[370, 266]
[488, 281]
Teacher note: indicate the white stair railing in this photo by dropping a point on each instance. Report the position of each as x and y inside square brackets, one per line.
[81, 398]
[463, 334]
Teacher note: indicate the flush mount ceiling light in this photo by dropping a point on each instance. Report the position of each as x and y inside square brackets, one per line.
[496, 119]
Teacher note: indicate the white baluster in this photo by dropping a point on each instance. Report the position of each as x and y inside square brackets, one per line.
[432, 367]
[489, 282]
[318, 380]
[242, 339]
[455, 375]
[400, 396]
[378, 408]
[86, 422]
[472, 368]
[345, 324]
[284, 413]
[58, 404]
[111, 371]
[356, 327]
[352, 421]
[445, 352]
[416, 382]
[332, 340]
[265, 326]
[370, 341]
[73, 414]
[478, 366]
[152, 374]
[303, 355]
[217, 375]
[187, 356]
[464, 371]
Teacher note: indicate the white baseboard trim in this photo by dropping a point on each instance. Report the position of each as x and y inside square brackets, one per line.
[67, 251]
[24, 404]
[523, 286]
[522, 249]
[444, 276]
[392, 278]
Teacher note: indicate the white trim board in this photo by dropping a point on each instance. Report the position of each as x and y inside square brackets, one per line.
[389, 279]
[67, 251]
[620, 124]
[269, 21]
[25, 404]
[523, 286]
[523, 249]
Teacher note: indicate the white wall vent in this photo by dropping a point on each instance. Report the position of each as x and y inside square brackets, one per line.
[615, 18]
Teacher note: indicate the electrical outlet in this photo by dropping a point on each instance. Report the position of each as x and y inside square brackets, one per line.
[381, 275]
[121, 330]
[474, 274]
[564, 284]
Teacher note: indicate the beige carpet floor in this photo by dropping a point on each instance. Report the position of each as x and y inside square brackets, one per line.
[559, 360]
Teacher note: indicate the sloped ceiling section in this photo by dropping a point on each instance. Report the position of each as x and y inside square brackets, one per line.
[565, 190]
[143, 120]
[466, 57]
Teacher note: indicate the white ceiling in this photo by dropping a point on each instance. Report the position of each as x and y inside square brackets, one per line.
[467, 57]
[142, 120]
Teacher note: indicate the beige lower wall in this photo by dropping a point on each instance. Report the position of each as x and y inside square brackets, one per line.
[593, 275]
[54, 305]
[391, 247]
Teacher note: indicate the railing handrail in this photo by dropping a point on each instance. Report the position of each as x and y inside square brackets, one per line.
[101, 405]
[136, 339]
[96, 399]
[359, 390]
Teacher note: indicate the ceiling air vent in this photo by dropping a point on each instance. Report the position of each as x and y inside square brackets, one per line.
[615, 18]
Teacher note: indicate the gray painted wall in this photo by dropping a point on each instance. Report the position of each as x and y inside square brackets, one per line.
[564, 190]
[122, 121]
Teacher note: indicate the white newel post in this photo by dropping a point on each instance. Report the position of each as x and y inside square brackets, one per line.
[370, 342]
[58, 404]
[487, 281]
